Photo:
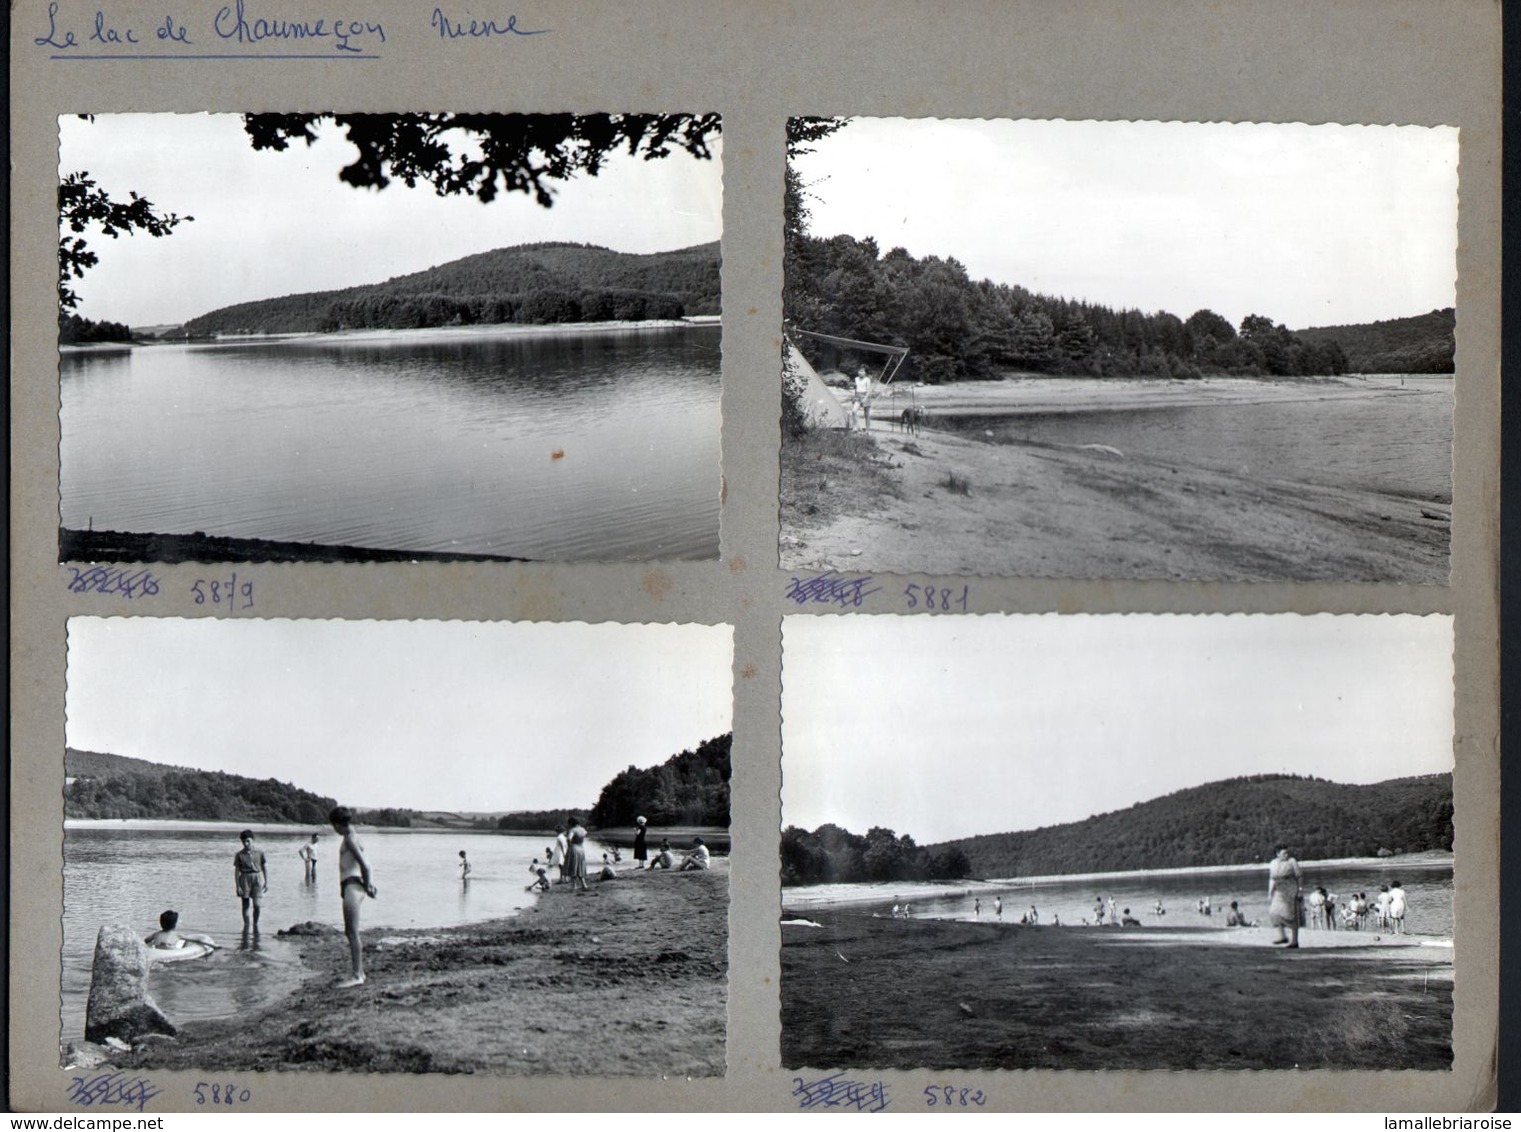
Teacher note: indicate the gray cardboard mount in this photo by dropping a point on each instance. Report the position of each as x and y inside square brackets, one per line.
[1369, 61]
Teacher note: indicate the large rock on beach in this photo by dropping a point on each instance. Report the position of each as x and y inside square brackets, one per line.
[120, 1006]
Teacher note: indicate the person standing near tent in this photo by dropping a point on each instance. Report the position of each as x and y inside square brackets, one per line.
[863, 395]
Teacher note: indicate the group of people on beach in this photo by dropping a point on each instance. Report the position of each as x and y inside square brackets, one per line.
[568, 855]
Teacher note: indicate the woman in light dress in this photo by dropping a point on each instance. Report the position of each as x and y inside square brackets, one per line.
[1283, 898]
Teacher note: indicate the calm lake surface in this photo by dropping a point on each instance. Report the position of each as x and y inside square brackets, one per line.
[117, 875]
[1397, 443]
[1428, 891]
[410, 440]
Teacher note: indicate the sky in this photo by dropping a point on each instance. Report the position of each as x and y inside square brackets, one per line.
[946, 727]
[1308, 225]
[451, 715]
[269, 224]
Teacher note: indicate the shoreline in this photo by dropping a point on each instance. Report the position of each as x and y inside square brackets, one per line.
[944, 503]
[970, 886]
[197, 546]
[635, 970]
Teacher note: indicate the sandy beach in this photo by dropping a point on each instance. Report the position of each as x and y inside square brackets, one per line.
[860, 992]
[628, 979]
[1042, 510]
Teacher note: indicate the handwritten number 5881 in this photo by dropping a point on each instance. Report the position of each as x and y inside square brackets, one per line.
[937, 598]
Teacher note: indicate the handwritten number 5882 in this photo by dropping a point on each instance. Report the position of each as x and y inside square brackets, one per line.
[949, 1096]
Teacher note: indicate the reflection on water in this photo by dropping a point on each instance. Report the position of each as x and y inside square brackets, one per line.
[1428, 888]
[556, 447]
[1398, 442]
[113, 875]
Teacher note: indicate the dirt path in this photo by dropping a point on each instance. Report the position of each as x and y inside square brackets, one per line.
[1064, 512]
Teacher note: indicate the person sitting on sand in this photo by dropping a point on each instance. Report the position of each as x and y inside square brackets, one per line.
[541, 875]
[698, 858]
[1283, 898]
[308, 855]
[167, 938]
[1129, 921]
[250, 878]
[1397, 908]
[607, 872]
[353, 886]
[1236, 918]
[664, 859]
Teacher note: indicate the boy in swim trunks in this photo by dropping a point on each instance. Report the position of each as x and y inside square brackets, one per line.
[353, 885]
[250, 878]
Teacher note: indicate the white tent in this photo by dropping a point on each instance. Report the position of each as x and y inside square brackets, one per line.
[820, 406]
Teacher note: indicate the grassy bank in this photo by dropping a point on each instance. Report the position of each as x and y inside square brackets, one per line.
[860, 992]
[626, 980]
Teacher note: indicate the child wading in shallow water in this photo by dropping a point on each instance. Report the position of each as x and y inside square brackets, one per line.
[250, 878]
[354, 885]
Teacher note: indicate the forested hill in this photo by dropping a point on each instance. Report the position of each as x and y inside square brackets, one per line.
[532, 283]
[690, 788]
[114, 786]
[1236, 821]
[1423, 344]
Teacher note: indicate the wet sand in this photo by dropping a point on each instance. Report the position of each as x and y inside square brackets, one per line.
[860, 992]
[626, 980]
[1058, 511]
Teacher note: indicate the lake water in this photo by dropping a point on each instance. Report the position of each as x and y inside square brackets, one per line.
[117, 875]
[1428, 889]
[1397, 443]
[576, 445]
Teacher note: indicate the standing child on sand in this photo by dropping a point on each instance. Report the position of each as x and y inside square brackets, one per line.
[250, 877]
[353, 885]
[998, 907]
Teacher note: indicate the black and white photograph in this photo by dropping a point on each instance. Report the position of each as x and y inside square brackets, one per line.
[1119, 349]
[1139, 842]
[396, 847]
[389, 337]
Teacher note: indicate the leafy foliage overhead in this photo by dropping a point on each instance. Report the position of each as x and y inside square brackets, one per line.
[83, 205]
[483, 154]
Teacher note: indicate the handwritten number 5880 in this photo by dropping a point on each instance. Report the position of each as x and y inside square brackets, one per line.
[219, 1094]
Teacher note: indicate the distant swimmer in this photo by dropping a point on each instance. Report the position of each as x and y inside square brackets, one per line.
[976, 909]
[250, 878]
[354, 885]
[169, 938]
[308, 855]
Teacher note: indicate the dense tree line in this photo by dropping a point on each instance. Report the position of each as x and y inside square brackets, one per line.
[1425, 343]
[958, 328]
[832, 855]
[194, 795]
[74, 330]
[1237, 821]
[530, 284]
[528, 821]
[690, 788]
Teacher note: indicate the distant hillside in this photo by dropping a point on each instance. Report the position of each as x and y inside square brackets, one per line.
[114, 786]
[533, 283]
[1236, 821]
[1423, 344]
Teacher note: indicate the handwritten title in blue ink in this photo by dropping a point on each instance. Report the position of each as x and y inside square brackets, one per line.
[112, 1090]
[837, 1091]
[246, 29]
